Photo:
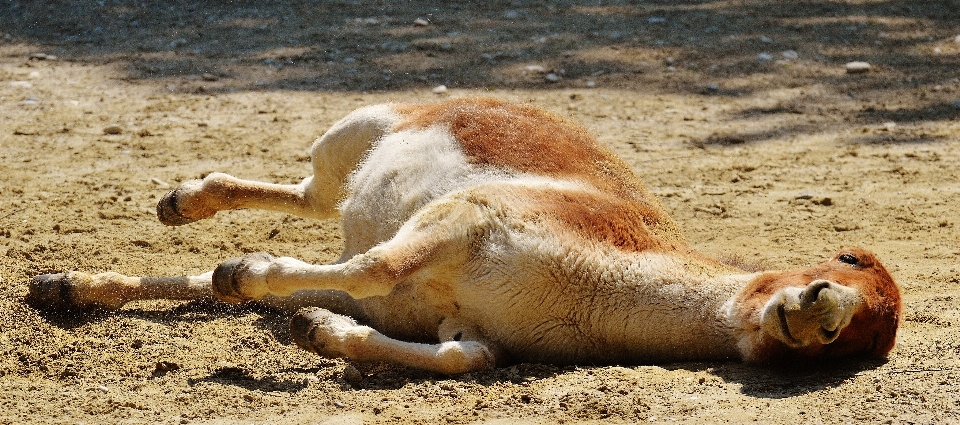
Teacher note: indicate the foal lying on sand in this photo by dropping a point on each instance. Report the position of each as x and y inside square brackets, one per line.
[480, 232]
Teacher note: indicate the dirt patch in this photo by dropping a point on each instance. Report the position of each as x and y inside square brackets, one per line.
[738, 114]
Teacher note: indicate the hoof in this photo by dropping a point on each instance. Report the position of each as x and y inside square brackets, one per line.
[312, 329]
[167, 210]
[50, 292]
[225, 284]
[303, 324]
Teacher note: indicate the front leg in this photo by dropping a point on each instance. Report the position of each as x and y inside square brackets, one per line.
[440, 235]
[332, 335]
[79, 291]
[259, 275]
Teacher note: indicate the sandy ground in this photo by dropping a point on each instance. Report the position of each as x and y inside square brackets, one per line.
[739, 114]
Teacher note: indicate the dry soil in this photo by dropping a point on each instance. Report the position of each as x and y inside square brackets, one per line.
[739, 114]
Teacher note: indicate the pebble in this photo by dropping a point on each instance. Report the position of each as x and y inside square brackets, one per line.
[957, 40]
[441, 89]
[159, 182]
[113, 129]
[177, 43]
[790, 54]
[591, 84]
[955, 104]
[552, 77]
[420, 22]
[102, 388]
[535, 69]
[352, 376]
[21, 84]
[763, 57]
[857, 67]
[43, 57]
[656, 20]
[766, 39]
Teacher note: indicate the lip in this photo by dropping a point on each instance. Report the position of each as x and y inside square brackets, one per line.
[784, 328]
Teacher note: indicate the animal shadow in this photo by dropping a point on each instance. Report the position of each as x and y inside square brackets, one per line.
[783, 381]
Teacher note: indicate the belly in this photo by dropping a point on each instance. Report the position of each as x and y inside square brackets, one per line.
[413, 311]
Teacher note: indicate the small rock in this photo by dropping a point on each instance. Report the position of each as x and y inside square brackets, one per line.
[591, 84]
[889, 125]
[441, 89]
[113, 129]
[159, 182]
[511, 14]
[535, 69]
[552, 77]
[955, 104]
[790, 54]
[177, 43]
[957, 39]
[764, 57]
[845, 227]
[352, 376]
[857, 67]
[349, 60]
[102, 388]
[42, 57]
[656, 20]
[21, 84]
[766, 39]
[824, 201]
[713, 88]
[420, 22]
[163, 367]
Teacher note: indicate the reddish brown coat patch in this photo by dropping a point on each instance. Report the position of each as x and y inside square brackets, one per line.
[528, 139]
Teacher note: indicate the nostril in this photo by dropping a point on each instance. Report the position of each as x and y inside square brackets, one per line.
[812, 291]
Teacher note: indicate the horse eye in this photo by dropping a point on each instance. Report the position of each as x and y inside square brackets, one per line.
[849, 259]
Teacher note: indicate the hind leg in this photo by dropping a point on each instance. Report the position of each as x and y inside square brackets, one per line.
[334, 156]
[199, 199]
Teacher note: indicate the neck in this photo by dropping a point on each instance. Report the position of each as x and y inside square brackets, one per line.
[679, 308]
